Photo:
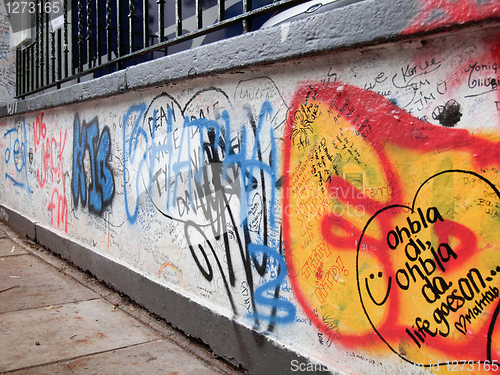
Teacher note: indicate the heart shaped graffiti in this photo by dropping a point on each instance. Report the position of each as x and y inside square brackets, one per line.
[429, 284]
[212, 172]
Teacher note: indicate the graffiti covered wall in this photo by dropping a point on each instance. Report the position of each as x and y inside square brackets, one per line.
[346, 205]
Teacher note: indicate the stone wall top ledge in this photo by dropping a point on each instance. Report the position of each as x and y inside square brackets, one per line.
[364, 23]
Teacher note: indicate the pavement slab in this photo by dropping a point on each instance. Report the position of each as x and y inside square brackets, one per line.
[27, 282]
[56, 319]
[157, 357]
[33, 337]
[7, 248]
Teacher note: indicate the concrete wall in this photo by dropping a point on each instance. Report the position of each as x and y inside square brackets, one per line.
[337, 211]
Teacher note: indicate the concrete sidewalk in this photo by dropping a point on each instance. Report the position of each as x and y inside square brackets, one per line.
[55, 319]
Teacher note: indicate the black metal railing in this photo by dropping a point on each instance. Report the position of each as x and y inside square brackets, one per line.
[92, 38]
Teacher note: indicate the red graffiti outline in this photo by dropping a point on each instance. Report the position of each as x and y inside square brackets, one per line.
[50, 148]
[461, 11]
